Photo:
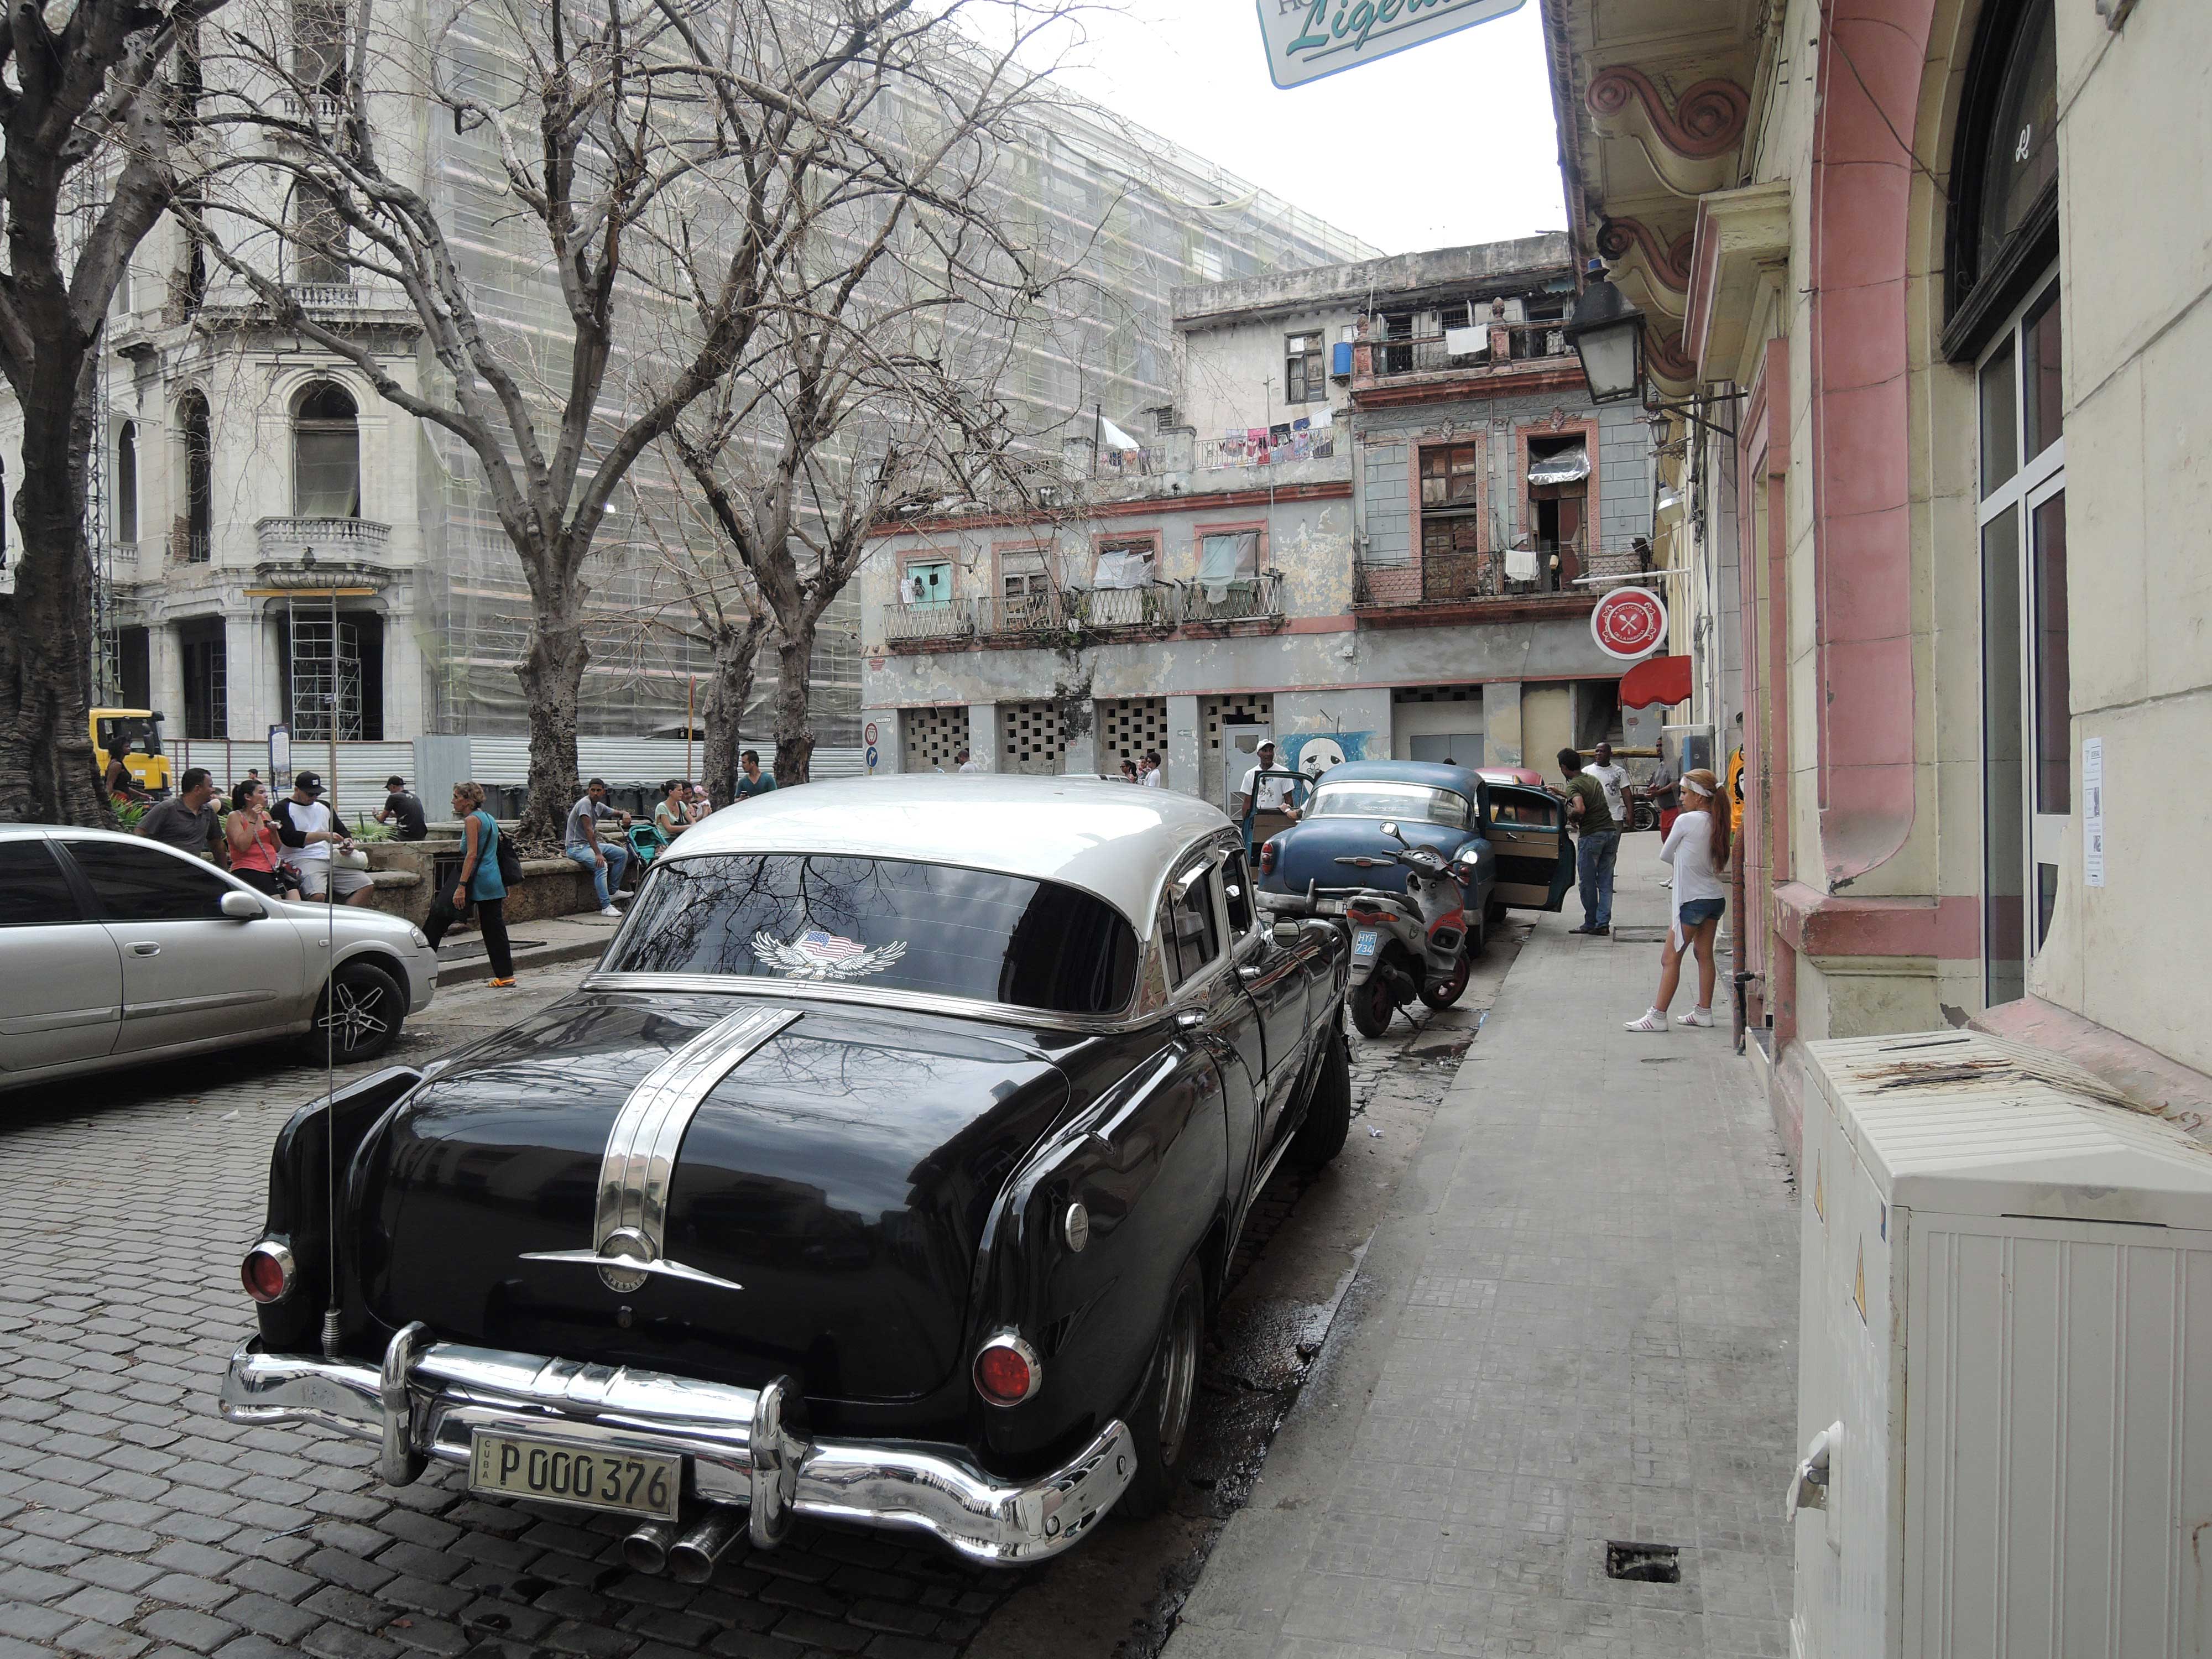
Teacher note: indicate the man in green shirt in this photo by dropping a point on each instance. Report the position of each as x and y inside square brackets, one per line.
[754, 781]
[1597, 842]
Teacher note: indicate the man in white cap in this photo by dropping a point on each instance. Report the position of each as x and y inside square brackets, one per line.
[1266, 794]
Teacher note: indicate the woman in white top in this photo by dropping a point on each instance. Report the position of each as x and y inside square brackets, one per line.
[1698, 848]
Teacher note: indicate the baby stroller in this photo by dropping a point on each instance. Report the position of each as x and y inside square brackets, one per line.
[646, 842]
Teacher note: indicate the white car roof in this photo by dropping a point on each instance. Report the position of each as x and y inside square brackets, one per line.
[1110, 839]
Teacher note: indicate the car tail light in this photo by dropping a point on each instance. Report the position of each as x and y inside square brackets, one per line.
[1007, 1370]
[1270, 854]
[267, 1272]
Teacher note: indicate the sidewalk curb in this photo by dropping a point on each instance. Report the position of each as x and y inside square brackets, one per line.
[478, 969]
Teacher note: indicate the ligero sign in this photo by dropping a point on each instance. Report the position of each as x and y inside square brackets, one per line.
[1308, 39]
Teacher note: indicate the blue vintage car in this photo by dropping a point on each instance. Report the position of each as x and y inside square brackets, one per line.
[1508, 840]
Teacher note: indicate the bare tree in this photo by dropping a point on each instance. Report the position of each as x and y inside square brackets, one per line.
[87, 132]
[712, 595]
[873, 389]
[675, 161]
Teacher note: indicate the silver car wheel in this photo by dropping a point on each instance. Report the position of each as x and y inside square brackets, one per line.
[354, 1014]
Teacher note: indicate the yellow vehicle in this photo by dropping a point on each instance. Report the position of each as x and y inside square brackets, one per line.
[136, 735]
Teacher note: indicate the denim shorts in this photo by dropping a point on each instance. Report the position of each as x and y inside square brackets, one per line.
[1697, 912]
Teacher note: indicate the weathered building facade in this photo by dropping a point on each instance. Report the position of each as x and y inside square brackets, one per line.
[1932, 275]
[236, 462]
[1364, 528]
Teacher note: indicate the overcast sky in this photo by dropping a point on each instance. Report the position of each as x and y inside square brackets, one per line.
[1443, 144]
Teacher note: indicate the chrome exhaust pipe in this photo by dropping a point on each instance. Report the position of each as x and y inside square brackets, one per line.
[646, 1550]
[692, 1558]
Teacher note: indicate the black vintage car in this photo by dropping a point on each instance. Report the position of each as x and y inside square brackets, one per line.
[885, 1171]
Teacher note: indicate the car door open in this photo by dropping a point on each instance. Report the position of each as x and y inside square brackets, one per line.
[1527, 834]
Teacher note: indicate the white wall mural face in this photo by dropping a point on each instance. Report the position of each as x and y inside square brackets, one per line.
[1318, 755]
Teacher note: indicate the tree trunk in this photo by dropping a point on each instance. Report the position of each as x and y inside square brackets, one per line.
[729, 689]
[794, 731]
[47, 774]
[551, 675]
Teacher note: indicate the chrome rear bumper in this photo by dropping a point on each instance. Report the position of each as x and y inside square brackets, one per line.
[428, 1399]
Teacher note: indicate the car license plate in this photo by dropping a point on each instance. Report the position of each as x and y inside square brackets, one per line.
[561, 1472]
[1364, 941]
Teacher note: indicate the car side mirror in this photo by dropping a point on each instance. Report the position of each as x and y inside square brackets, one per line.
[1287, 932]
[242, 907]
[1390, 827]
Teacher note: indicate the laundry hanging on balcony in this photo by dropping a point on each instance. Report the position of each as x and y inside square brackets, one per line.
[1562, 466]
[1122, 568]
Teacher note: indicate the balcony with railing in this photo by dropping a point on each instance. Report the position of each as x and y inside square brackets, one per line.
[313, 550]
[1490, 582]
[1155, 611]
[1536, 351]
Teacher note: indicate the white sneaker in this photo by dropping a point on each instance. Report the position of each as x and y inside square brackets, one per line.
[1653, 1020]
[1695, 1017]
[611, 911]
[1666, 881]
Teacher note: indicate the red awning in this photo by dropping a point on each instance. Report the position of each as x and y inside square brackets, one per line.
[1656, 679]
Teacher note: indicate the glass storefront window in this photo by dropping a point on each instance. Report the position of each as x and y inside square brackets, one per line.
[2000, 434]
[2022, 158]
[2043, 403]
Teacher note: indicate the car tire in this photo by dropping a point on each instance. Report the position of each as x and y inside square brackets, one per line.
[1372, 1005]
[1443, 996]
[1159, 1423]
[358, 1016]
[1493, 918]
[1320, 1137]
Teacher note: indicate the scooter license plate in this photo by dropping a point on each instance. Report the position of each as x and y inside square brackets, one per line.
[1366, 942]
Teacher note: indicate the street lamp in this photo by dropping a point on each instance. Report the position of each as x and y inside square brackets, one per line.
[1608, 336]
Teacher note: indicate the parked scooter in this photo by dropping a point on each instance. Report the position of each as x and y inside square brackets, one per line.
[1408, 945]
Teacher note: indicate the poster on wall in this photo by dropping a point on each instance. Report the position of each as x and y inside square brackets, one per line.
[2093, 811]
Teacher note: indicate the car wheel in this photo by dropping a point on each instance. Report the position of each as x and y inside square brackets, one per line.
[359, 1017]
[1160, 1423]
[1372, 1005]
[1494, 917]
[1444, 995]
[1329, 1113]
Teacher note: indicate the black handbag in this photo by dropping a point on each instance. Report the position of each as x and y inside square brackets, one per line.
[510, 862]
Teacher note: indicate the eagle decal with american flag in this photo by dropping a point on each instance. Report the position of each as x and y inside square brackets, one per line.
[816, 954]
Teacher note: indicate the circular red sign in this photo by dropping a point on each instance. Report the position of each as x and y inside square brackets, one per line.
[1629, 622]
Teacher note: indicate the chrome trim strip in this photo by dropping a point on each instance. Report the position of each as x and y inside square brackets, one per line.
[664, 1268]
[734, 1440]
[640, 1161]
[995, 1013]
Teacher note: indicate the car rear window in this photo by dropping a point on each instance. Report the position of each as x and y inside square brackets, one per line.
[1414, 801]
[889, 923]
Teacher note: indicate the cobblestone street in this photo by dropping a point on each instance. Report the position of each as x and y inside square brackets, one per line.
[134, 1521]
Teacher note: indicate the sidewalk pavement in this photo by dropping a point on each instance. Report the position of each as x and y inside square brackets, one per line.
[579, 938]
[1575, 1326]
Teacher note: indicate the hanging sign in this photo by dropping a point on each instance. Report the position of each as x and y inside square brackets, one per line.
[1629, 622]
[1308, 39]
[280, 754]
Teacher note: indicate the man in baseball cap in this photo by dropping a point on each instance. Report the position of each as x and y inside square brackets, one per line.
[309, 829]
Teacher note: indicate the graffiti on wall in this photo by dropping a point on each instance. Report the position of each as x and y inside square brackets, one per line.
[1315, 752]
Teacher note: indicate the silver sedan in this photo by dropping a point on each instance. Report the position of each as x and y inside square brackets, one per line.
[115, 951]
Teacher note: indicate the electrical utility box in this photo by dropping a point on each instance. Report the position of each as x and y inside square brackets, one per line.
[2004, 1392]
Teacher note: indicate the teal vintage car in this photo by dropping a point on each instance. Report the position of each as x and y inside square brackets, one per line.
[1507, 842]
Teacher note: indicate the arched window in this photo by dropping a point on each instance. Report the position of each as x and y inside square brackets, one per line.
[198, 529]
[2006, 317]
[327, 454]
[126, 484]
[318, 236]
[2004, 230]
